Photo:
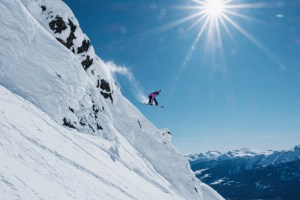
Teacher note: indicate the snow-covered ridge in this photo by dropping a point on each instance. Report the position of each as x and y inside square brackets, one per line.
[58, 20]
[264, 157]
[64, 123]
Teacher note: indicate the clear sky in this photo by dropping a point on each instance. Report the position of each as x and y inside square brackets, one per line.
[229, 74]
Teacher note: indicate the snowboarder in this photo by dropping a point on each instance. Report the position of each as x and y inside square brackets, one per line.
[152, 97]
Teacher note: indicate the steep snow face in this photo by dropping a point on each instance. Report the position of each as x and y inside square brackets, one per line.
[38, 154]
[46, 59]
[58, 20]
[37, 67]
[167, 134]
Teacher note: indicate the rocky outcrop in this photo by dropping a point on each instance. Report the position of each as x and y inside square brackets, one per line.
[69, 43]
[87, 62]
[106, 91]
[57, 25]
[84, 47]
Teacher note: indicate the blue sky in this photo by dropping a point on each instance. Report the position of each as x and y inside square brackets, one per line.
[238, 87]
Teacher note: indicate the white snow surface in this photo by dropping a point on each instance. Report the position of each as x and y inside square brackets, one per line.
[42, 83]
[40, 159]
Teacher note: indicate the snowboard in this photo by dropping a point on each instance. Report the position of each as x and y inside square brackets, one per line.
[157, 106]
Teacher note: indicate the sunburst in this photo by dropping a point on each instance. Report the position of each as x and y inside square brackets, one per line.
[217, 16]
[213, 20]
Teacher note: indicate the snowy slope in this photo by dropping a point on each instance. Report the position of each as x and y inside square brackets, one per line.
[64, 123]
[38, 154]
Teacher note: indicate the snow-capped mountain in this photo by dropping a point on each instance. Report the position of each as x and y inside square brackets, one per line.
[66, 131]
[210, 155]
[251, 174]
[262, 158]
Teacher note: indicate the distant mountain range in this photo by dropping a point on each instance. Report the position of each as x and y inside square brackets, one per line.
[248, 174]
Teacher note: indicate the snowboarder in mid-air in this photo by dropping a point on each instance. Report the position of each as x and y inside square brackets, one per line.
[152, 97]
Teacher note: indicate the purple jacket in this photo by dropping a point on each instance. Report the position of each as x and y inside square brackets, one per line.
[154, 94]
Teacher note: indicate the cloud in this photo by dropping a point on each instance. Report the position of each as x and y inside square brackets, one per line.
[135, 86]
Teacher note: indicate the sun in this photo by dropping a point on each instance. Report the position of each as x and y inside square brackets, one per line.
[215, 21]
[214, 8]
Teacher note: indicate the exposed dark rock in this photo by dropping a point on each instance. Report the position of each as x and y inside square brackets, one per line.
[71, 109]
[196, 189]
[87, 62]
[69, 43]
[95, 109]
[61, 41]
[43, 8]
[104, 85]
[68, 123]
[84, 47]
[70, 39]
[59, 76]
[107, 95]
[58, 25]
[99, 127]
[82, 122]
[91, 128]
[72, 26]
